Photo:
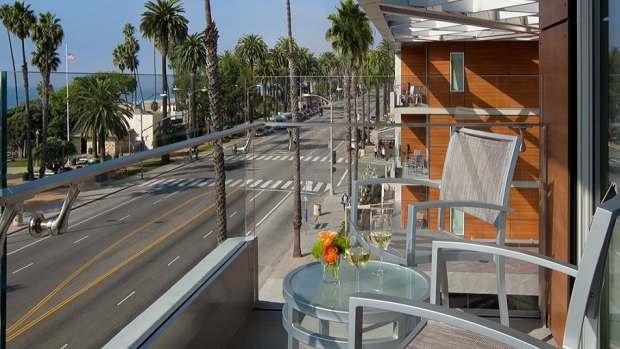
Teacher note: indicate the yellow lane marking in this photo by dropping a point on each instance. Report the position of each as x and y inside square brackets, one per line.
[109, 272]
[45, 299]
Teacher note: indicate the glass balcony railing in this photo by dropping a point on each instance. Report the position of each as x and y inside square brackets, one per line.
[147, 217]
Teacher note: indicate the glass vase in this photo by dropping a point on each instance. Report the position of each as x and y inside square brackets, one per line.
[331, 272]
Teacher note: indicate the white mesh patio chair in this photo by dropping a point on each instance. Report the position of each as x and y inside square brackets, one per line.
[585, 299]
[476, 180]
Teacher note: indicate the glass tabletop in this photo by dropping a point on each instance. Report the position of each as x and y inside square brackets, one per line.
[305, 284]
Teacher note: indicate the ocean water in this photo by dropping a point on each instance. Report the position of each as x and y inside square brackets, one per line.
[58, 81]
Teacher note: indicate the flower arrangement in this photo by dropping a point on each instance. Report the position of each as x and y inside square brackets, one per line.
[328, 248]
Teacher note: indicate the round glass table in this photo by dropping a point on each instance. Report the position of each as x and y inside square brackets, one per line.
[306, 295]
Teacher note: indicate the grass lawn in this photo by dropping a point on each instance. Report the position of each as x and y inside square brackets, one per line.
[18, 163]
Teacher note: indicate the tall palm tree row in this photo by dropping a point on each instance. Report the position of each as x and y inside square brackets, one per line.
[102, 110]
[351, 36]
[292, 71]
[125, 56]
[6, 17]
[214, 92]
[385, 68]
[252, 49]
[22, 21]
[163, 22]
[47, 35]
[189, 55]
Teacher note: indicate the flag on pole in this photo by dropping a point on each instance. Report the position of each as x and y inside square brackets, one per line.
[71, 56]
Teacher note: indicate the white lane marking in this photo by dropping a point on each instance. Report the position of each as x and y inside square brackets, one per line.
[78, 240]
[262, 157]
[235, 183]
[212, 182]
[277, 184]
[228, 181]
[126, 298]
[291, 158]
[64, 346]
[247, 181]
[274, 208]
[248, 233]
[257, 182]
[278, 158]
[205, 182]
[22, 268]
[327, 187]
[209, 233]
[340, 160]
[316, 159]
[174, 260]
[317, 187]
[310, 153]
[324, 159]
[234, 213]
[342, 178]
[301, 158]
[122, 219]
[21, 248]
[255, 196]
[286, 185]
[167, 196]
[264, 185]
[158, 201]
[268, 158]
[309, 158]
[194, 182]
[307, 186]
[339, 144]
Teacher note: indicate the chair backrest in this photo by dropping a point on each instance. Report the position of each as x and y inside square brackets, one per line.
[479, 166]
[586, 296]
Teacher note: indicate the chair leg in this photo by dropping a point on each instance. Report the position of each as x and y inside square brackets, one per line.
[500, 266]
[445, 292]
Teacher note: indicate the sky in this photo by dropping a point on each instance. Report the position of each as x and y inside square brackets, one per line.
[93, 28]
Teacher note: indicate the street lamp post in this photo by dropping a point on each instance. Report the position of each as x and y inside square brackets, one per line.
[331, 138]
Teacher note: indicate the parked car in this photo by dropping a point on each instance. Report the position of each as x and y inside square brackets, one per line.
[280, 118]
[263, 131]
[373, 119]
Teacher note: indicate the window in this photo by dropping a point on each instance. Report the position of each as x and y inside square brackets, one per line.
[457, 72]
[457, 221]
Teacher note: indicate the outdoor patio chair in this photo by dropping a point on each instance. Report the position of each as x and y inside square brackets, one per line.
[476, 180]
[444, 323]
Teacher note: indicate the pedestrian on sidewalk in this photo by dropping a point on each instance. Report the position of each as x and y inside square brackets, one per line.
[383, 152]
[376, 151]
[344, 201]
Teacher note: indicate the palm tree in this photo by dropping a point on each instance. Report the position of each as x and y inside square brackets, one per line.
[6, 17]
[252, 49]
[101, 109]
[189, 55]
[292, 71]
[214, 91]
[47, 35]
[163, 22]
[23, 19]
[351, 36]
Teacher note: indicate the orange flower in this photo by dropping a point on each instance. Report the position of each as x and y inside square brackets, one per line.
[328, 237]
[330, 253]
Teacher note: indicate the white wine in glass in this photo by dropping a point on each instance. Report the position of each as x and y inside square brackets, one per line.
[358, 255]
[381, 235]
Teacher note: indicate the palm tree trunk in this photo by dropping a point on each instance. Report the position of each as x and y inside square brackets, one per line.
[292, 66]
[347, 112]
[102, 139]
[364, 118]
[28, 116]
[44, 117]
[353, 92]
[368, 93]
[192, 106]
[95, 145]
[213, 90]
[164, 82]
[8, 34]
[377, 110]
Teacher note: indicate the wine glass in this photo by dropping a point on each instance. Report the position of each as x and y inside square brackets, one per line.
[381, 235]
[357, 254]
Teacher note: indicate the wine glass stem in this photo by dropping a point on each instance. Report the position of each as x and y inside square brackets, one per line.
[381, 262]
[357, 279]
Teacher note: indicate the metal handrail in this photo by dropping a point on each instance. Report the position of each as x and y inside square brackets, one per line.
[19, 193]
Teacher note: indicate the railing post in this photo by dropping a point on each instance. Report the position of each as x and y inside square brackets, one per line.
[7, 216]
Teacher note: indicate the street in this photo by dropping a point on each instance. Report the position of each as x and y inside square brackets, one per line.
[122, 252]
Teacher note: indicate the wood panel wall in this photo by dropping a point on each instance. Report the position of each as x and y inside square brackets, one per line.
[498, 74]
[555, 70]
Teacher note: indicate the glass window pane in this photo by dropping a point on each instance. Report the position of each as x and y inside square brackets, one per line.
[457, 72]
[457, 219]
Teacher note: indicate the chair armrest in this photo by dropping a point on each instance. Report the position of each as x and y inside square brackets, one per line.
[466, 203]
[510, 252]
[452, 317]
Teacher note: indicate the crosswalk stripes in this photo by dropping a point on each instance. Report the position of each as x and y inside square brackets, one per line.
[266, 157]
[340, 160]
[306, 186]
[325, 158]
[316, 158]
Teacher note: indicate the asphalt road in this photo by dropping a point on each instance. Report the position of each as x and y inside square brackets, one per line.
[121, 253]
